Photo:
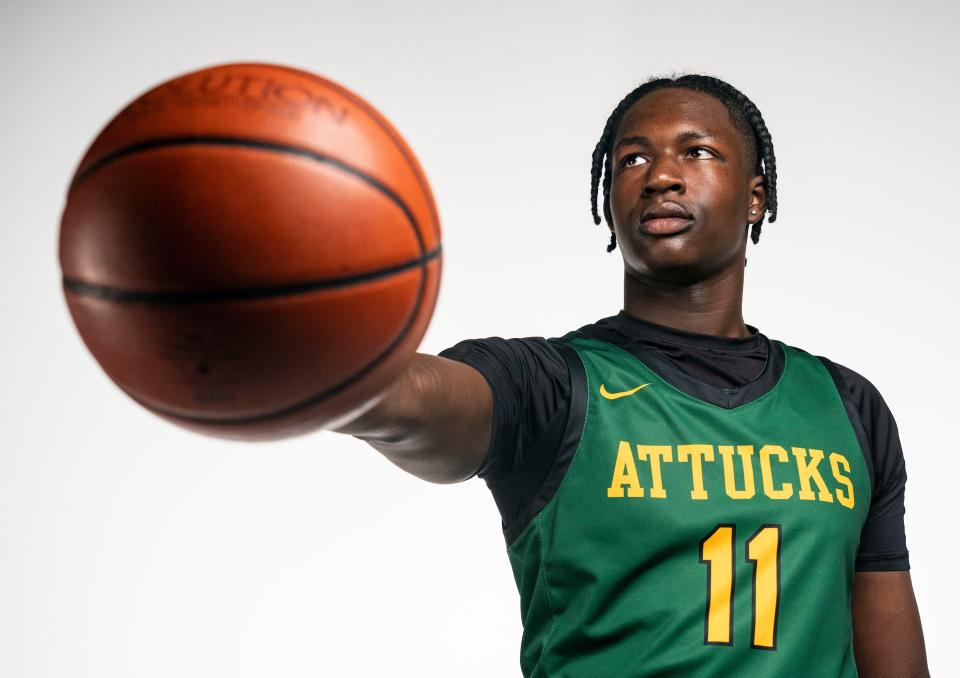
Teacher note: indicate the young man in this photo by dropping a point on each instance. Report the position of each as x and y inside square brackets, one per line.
[680, 494]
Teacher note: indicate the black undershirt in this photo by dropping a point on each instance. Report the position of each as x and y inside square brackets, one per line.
[531, 396]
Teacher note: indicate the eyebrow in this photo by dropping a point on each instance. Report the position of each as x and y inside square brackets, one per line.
[688, 135]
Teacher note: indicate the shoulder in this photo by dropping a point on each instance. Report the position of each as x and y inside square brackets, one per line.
[880, 426]
[862, 393]
[509, 354]
[530, 382]
[852, 385]
[874, 423]
[549, 351]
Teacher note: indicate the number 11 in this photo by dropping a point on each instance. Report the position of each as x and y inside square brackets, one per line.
[763, 550]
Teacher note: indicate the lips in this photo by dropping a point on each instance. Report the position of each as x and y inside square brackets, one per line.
[666, 218]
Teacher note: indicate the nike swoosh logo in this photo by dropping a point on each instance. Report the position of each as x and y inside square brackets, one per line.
[613, 396]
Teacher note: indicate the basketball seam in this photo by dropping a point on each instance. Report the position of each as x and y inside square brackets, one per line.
[211, 296]
[307, 402]
[256, 144]
[378, 118]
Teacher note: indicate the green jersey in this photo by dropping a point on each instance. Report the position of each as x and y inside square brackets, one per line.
[689, 539]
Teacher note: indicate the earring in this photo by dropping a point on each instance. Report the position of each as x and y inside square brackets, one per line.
[753, 211]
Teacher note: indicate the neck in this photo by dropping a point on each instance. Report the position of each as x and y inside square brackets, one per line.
[711, 306]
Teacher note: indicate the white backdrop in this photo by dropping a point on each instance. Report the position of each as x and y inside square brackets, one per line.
[129, 547]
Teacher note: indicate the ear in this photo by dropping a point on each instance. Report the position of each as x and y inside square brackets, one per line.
[757, 193]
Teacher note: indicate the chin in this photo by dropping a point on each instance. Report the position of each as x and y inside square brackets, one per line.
[675, 265]
[655, 252]
[686, 257]
[674, 272]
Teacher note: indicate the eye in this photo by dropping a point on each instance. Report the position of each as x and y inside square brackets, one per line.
[701, 149]
[631, 160]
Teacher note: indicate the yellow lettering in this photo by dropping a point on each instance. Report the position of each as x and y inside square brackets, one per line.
[808, 471]
[786, 489]
[716, 551]
[763, 549]
[729, 475]
[656, 454]
[625, 473]
[836, 460]
[696, 455]
[626, 478]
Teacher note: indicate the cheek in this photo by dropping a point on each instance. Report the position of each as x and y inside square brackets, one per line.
[624, 191]
[716, 194]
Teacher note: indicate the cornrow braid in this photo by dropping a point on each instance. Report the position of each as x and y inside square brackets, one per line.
[746, 119]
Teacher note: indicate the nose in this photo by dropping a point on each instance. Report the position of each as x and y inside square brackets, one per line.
[663, 177]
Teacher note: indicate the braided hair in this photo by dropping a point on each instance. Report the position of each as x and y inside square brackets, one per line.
[746, 119]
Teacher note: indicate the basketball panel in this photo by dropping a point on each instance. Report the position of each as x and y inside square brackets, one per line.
[247, 359]
[196, 218]
[354, 396]
[273, 104]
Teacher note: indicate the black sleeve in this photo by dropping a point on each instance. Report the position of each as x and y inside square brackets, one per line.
[883, 544]
[531, 391]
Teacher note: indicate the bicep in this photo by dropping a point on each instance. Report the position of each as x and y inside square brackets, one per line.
[458, 410]
[883, 544]
[529, 383]
[887, 635]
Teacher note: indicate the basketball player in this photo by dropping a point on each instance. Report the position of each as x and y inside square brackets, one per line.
[681, 495]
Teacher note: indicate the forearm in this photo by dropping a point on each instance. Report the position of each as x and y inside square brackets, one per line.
[390, 419]
[433, 421]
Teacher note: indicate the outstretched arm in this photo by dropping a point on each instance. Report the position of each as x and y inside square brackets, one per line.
[434, 421]
[887, 637]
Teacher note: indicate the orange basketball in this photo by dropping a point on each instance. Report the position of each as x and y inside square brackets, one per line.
[250, 251]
